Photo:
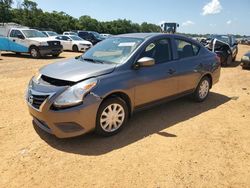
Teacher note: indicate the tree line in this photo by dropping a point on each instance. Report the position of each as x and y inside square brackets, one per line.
[28, 14]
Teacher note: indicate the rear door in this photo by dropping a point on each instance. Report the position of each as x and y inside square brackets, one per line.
[189, 64]
[64, 42]
[159, 81]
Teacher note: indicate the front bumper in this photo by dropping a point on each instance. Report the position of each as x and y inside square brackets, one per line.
[65, 123]
[50, 50]
[84, 48]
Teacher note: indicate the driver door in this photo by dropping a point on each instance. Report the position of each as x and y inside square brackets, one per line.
[158, 81]
[17, 44]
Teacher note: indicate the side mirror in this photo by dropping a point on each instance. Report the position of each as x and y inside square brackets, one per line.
[144, 62]
[236, 43]
[20, 36]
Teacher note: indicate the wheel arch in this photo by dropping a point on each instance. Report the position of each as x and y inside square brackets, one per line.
[124, 96]
[210, 78]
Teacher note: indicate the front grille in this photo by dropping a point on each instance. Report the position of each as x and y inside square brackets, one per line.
[56, 82]
[54, 43]
[37, 100]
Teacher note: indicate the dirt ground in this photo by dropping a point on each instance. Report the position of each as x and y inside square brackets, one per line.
[177, 144]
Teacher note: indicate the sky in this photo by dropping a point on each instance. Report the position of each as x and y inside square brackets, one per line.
[193, 16]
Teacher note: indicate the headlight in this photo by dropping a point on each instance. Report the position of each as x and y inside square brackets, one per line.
[245, 58]
[75, 94]
[44, 44]
[36, 77]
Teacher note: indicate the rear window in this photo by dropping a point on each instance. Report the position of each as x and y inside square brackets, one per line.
[186, 49]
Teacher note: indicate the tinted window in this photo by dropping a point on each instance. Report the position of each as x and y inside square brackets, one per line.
[15, 33]
[159, 50]
[12, 33]
[65, 38]
[186, 49]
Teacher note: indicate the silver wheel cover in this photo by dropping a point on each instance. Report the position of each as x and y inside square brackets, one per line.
[112, 117]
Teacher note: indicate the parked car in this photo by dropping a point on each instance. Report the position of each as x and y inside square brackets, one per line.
[225, 46]
[105, 35]
[50, 34]
[101, 89]
[20, 39]
[69, 33]
[90, 36]
[74, 43]
[245, 61]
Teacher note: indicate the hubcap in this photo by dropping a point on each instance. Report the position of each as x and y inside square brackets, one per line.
[204, 88]
[112, 117]
[33, 52]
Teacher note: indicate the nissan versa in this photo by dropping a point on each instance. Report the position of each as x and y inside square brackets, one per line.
[102, 88]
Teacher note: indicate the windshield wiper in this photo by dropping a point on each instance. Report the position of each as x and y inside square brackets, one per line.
[93, 60]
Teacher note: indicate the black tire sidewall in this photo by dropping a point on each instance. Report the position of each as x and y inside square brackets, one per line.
[75, 48]
[229, 60]
[98, 129]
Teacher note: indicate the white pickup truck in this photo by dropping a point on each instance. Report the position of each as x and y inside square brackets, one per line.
[24, 40]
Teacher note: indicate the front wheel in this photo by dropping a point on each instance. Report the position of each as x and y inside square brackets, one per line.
[111, 117]
[75, 48]
[202, 90]
[34, 52]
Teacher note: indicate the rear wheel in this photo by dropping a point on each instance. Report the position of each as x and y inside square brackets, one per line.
[202, 90]
[34, 52]
[75, 48]
[111, 117]
[55, 55]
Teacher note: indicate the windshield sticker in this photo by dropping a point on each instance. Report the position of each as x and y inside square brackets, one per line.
[126, 44]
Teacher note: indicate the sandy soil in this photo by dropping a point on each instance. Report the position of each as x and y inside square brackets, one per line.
[178, 144]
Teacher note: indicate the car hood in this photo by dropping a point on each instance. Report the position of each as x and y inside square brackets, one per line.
[76, 70]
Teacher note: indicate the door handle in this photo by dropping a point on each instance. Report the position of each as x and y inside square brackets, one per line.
[14, 40]
[171, 71]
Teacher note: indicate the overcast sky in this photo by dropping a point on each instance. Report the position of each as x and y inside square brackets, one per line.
[194, 16]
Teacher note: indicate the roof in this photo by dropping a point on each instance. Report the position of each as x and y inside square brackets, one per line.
[146, 35]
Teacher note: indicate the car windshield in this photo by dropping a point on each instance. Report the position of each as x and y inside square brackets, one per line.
[75, 38]
[30, 33]
[51, 33]
[113, 50]
[223, 38]
[97, 35]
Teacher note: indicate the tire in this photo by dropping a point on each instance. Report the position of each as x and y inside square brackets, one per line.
[75, 48]
[108, 121]
[229, 60]
[55, 55]
[202, 90]
[34, 52]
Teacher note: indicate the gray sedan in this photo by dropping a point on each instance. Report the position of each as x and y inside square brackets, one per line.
[101, 89]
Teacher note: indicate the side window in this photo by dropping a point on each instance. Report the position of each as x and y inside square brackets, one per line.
[65, 38]
[18, 33]
[159, 50]
[186, 49]
[13, 33]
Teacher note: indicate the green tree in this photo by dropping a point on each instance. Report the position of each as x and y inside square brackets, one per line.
[5, 10]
